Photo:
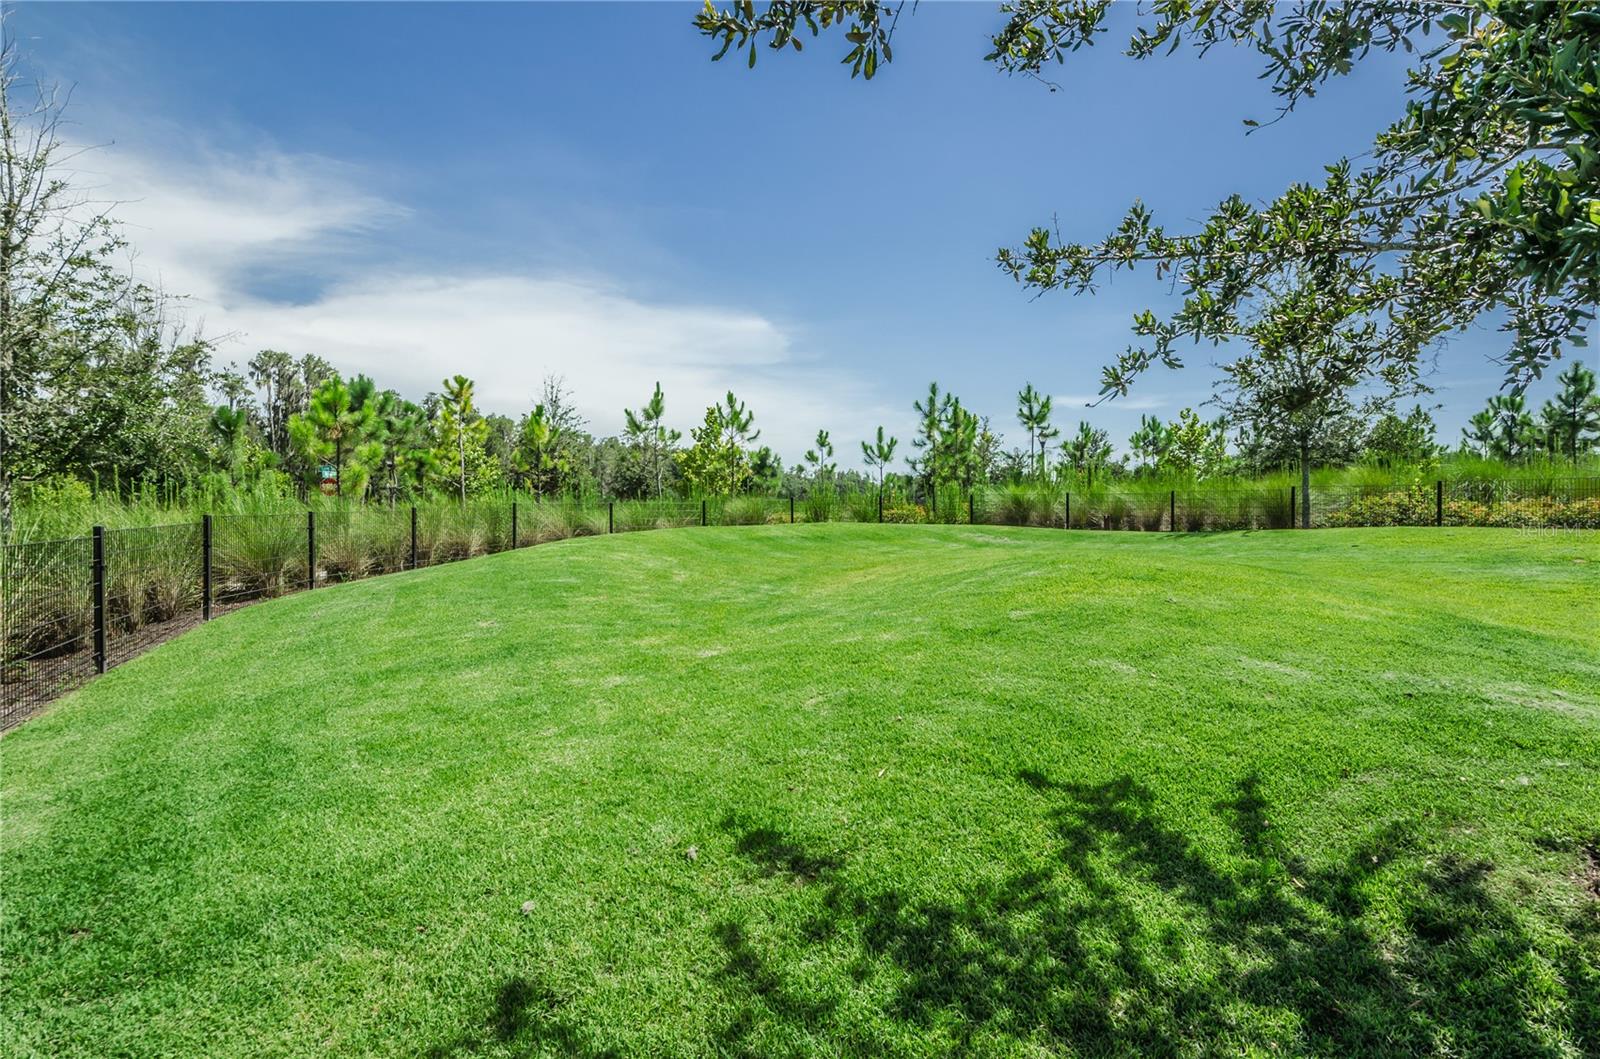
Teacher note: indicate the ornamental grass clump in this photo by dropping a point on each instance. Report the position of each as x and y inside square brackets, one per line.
[257, 555]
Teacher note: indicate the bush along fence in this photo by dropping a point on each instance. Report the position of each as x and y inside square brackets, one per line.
[72, 608]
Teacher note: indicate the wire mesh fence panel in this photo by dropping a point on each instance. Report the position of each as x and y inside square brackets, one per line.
[542, 519]
[761, 510]
[355, 542]
[46, 623]
[1233, 509]
[1411, 504]
[152, 586]
[630, 516]
[257, 556]
[1021, 505]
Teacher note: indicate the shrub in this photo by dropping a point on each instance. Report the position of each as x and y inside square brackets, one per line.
[904, 511]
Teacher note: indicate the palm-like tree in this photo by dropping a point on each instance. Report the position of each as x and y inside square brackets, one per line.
[230, 427]
[271, 370]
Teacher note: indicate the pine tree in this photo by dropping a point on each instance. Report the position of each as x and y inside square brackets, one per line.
[1033, 412]
[1570, 421]
[460, 428]
[878, 454]
[646, 430]
[336, 425]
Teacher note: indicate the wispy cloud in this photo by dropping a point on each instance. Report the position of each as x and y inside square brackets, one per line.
[213, 226]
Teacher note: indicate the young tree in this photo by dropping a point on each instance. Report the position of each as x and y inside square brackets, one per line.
[715, 464]
[879, 454]
[932, 410]
[407, 448]
[1194, 448]
[1307, 362]
[461, 430]
[1504, 430]
[646, 430]
[1033, 412]
[766, 471]
[1570, 422]
[986, 452]
[1088, 450]
[1149, 443]
[737, 434]
[956, 452]
[541, 460]
[818, 459]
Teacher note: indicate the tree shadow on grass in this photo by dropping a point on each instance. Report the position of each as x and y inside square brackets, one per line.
[772, 852]
[525, 1018]
[1133, 939]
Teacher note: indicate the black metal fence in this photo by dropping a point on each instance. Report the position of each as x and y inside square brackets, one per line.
[72, 608]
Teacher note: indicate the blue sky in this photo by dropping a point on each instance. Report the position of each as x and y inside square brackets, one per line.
[513, 190]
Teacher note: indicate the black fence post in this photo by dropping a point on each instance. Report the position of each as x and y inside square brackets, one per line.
[1438, 502]
[1173, 517]
[1294, 511]
[791, 509]
[413, 536]
[611, 516]
[880, 505]
[702, 512]
[311, 549]
[98, 580]
[1066, 514]
[513, 525]
[205, 567]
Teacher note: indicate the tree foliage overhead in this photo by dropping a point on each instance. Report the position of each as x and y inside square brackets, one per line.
[1483, 193]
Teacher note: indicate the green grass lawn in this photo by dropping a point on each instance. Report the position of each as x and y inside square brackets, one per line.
[837, 790]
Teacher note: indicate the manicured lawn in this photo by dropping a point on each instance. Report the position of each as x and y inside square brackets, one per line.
[837, 790]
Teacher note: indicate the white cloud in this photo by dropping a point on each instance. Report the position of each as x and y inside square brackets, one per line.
[507, 332]
[201, 221]
[210, 226]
